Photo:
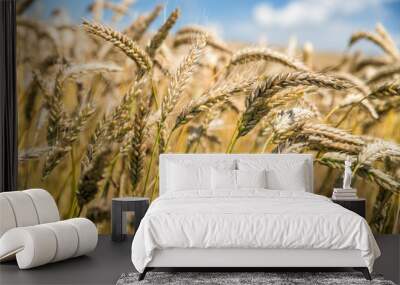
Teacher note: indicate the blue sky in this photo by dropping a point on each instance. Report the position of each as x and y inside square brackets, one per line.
[326, 23]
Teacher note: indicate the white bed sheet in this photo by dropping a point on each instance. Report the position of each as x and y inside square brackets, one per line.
[252, 218]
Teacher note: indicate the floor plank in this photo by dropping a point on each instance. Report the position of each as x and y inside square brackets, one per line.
[389, 263]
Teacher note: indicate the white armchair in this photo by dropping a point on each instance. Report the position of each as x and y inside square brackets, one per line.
[31, 230]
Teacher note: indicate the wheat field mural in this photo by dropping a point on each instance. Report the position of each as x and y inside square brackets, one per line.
[98, 104]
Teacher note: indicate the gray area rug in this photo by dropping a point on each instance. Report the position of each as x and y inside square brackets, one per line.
[243, 278]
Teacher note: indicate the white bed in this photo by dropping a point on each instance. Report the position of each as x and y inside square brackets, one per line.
[248, 227]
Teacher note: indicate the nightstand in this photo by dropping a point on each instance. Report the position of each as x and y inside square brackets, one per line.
[356, 205]
[119, 207]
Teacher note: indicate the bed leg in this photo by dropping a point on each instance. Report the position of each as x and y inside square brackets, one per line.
[364, 271]
[143, 274]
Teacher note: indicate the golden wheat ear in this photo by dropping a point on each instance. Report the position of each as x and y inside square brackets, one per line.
[162, 33]
[214, 97]
[138, 28]
[377, 39]
[386, 91]
[137, 144]
[66, 139]
[176, 87]
[182, 76]
[256, 103]
[186, 35]
[121, 41]
[91, 175]
[249, 55]
[384, 73]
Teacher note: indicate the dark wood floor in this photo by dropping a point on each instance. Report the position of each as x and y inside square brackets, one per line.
[103, 266]
[110, 260]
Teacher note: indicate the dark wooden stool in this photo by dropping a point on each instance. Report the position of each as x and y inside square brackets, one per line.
[119, 207]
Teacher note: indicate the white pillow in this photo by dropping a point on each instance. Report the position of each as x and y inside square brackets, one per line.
[251, 178]
[181, 177]
[223, 179]
[293, 180]
[282, 173]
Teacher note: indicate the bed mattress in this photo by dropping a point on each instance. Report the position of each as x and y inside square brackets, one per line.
[250, 219]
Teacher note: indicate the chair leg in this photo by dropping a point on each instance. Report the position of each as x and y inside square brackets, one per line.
[143, 274]
[364, 271]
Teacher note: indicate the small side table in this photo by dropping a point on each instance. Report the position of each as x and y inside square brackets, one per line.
[119, 207]
[356, 205]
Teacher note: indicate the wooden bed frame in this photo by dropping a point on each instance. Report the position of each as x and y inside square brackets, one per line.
[245, 259]
[363, 270]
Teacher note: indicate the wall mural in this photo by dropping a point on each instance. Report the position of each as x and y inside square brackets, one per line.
[99, 101]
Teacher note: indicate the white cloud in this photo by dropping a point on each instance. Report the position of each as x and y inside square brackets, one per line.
[309, 12]
[215, 28]
[328, 24]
